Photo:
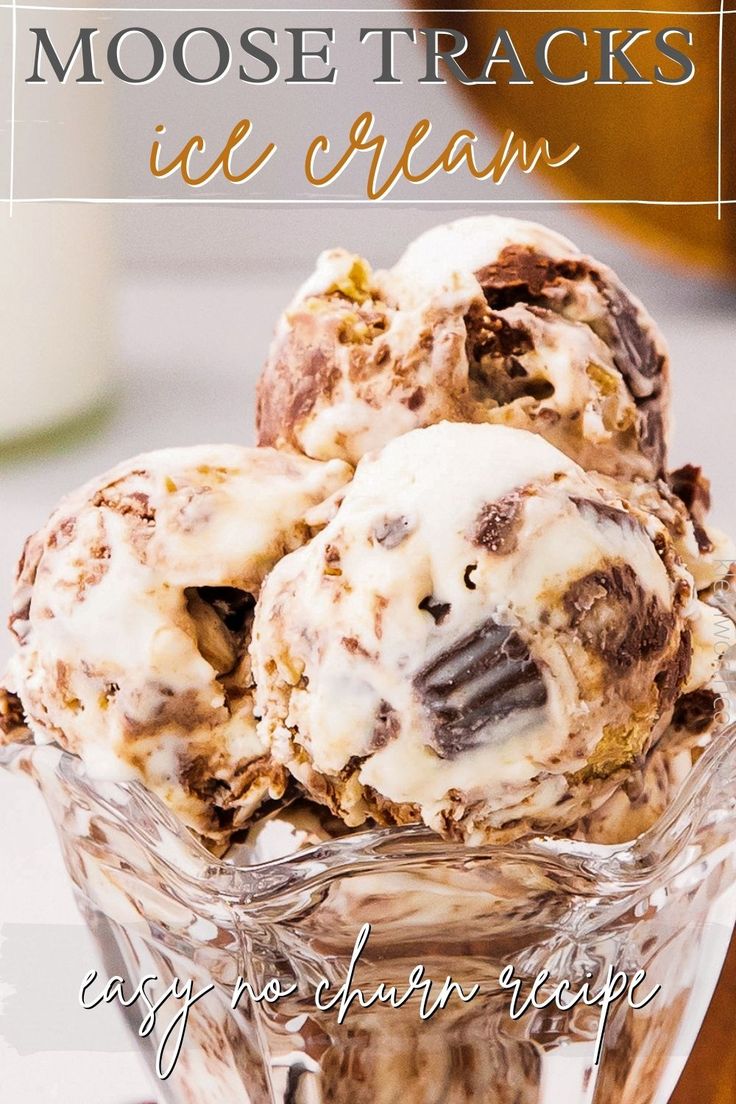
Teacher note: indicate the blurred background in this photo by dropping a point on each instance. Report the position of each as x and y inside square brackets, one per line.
[129, 326]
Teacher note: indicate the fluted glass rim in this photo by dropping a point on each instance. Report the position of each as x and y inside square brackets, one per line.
[706, 799]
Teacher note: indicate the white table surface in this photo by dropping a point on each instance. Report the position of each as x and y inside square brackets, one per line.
[172, 390]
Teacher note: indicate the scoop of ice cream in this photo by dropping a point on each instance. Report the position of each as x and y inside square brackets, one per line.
[483, 320]
[483, 637]
[132, 613]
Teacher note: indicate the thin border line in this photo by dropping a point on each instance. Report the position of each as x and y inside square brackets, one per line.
[719, 202]
[376, 11]
[14, 36]
[375, 203]
[720, 108]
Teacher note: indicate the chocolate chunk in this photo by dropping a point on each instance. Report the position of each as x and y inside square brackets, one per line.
[616, 619]
[505, 381]
[416, 399]
[634, 351]
[637, 358]
[12, 719]
[494, 346]
[669, 680]
[301, 373]
[652, 430]
[491, 335]
[693, 489]
[386, 727]
[304, 369]
[479, 681]
[468, 576]
[521, 275]
[437, 610]
[392, 531]
[696, 712]
[498, 523]
[606, 512]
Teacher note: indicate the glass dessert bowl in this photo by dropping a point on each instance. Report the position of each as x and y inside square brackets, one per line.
[159, 904]
[468, 629]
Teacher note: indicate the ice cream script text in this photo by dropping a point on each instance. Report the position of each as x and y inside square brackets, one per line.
[338, 995]
[323, 165]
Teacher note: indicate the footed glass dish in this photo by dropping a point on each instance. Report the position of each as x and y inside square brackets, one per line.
[159, 904]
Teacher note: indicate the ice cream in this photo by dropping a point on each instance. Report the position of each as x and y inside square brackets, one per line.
[483, 320]
[682, 502]
[13, 728]
[483, 638]
[132, 613]
[652, 786]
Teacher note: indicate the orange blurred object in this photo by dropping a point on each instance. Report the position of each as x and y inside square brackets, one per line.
[710, 1074]
[638, 141]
